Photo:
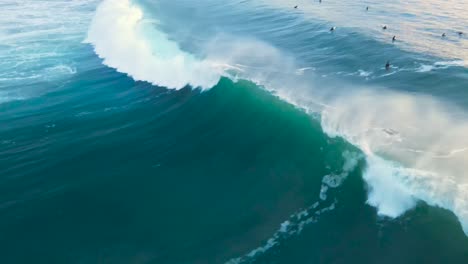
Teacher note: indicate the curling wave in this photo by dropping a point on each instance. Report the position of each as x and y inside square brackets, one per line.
[415, 146]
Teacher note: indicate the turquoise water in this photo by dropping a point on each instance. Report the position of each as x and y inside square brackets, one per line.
[233, 132]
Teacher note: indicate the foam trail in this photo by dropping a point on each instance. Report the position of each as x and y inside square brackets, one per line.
[298, 220]
[125, 43]
[288, 228]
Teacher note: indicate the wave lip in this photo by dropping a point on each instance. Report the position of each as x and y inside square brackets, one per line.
[125, 43]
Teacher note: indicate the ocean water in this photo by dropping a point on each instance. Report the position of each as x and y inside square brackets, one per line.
[233, 131]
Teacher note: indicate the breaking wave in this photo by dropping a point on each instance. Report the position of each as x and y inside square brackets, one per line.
[415, 146]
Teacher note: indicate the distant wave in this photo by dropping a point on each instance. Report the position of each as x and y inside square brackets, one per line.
[385, 125]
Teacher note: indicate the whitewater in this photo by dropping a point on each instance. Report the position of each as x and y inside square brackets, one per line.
[415, 144]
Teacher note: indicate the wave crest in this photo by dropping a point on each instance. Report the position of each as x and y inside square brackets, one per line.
[124, 42]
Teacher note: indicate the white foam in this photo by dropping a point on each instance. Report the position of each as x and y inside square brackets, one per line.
[389, 127]
[364, 73]
[335, 180]
[425, 68]
[122, 39]
[288, 228]
[323, 192]
[386, 191]
[284, 226]
[441, 65]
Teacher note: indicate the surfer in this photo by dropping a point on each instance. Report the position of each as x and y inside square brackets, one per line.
[390, 131]
[387, 65]
[367, 8]
[384, 27]
[460, 33]
[295, 7]
[443, 35]
[332, 29]
[394, 39]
